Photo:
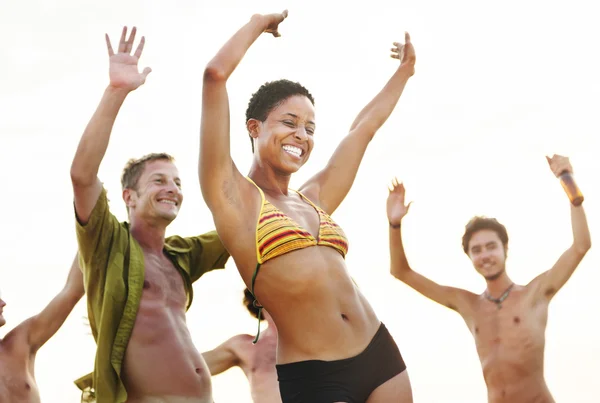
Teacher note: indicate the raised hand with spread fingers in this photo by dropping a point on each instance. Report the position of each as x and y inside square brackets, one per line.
[396, 205]
[123, 68]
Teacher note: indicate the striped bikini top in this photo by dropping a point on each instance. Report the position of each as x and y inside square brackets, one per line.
[278, 234]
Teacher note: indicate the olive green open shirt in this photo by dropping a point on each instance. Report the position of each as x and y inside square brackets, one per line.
[113, 269]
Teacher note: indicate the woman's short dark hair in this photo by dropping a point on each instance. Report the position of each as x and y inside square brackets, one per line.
[269, 96]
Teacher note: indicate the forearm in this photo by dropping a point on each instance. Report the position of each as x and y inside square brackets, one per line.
[230, 55]
[374, 115]
[95, 138]
[398, 263]
[46, 323]
[581, 232]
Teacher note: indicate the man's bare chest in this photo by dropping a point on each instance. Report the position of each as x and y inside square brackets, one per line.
[163, 281]
[17, 383]
[517, 325]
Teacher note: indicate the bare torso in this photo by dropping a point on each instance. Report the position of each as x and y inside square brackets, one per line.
[318, 310]
[258, 363]
[17, 381]
[161, 363]
[510, 342]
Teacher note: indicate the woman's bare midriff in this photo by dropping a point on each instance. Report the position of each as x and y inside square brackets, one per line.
[161, 361]
[319, 311]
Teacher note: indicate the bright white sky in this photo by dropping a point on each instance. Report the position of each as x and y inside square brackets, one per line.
[497, 87]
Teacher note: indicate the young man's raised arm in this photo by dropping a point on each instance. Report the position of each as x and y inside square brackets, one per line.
[548, 283]
[44, 325]
[453, 298]
[124, 78]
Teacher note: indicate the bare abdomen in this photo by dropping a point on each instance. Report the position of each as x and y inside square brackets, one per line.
[319, 312]
[516, 376]
[161, 360]
[530, 389]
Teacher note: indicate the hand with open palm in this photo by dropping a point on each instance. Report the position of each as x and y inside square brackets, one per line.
[396, 204]
[123, 66]
[405, 52]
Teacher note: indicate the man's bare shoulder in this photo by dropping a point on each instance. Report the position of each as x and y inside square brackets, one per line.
[468, 304]
[241, 341]
[470, 295]
[466, 300]
[536, 285]
[241, 345]
[18, 338]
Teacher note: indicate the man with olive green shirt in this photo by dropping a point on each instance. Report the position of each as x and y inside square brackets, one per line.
[138, 283]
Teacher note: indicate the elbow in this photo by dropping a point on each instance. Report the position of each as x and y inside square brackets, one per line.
[75, 297]
[79, 178]
[73, 293]
[214, 72]
[583, 247]
[399, 272]
[76, 177]
[78, 292]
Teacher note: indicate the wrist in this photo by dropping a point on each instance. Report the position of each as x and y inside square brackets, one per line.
[261, 20]
[116, 91]
[395, 225]
[407, 68]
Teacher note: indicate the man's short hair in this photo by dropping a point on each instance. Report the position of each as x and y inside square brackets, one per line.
[479, 223]
[134, 168]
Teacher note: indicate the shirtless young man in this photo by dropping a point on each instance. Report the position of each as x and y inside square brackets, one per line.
[19, 347]
[256, 360]
[138, 284]
[508, 321]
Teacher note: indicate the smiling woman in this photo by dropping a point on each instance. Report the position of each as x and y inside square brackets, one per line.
[331, 345]
[271, 95]
[285, 135]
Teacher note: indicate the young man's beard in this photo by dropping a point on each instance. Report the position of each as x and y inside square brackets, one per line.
[494, 276]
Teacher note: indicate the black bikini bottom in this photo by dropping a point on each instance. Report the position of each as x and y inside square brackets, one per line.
[350, 380]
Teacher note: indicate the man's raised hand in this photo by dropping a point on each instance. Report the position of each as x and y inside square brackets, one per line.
[123, 66]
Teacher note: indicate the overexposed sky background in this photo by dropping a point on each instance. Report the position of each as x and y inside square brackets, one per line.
[497, 87]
